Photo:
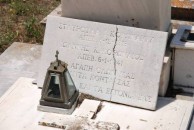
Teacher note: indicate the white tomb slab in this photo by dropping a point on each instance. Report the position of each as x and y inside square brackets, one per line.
[148, 14]
[18, 111]
[19, 60]
[171, 114]
[183, 60]
[114, 63]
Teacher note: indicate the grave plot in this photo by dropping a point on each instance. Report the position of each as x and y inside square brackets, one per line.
[114, 63]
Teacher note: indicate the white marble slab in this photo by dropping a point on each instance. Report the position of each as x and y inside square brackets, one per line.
[87, 48]
[171, 114]
[87, 109]
[18, 111]
[148, 14]
[183, 60]
[114, 63]
[20, 59]
[183, 70]
[139, 54]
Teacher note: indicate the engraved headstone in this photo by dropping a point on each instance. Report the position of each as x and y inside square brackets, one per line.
[114, 63]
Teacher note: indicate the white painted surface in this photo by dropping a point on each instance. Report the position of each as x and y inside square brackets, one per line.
[18, 111]
[117, 63]
[18, 107]
[148, 14]
[87, 109]
[184, 69]
[170, 115]
[19, 60]
[140, 53]
[165, 76]
[183, 61]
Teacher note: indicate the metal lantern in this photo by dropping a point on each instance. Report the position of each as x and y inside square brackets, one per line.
[58, 89]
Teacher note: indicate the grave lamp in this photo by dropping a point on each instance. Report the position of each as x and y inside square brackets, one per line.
[58, 89]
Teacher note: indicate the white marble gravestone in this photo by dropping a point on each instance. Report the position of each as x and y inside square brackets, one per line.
[114, 63]
[148, 14]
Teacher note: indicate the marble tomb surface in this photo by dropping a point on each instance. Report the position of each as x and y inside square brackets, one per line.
[111, 62]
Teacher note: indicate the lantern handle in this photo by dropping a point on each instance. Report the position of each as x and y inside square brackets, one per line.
[57, 58]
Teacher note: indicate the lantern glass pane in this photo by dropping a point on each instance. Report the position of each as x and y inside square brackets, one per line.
[54, 88]
[69, 83]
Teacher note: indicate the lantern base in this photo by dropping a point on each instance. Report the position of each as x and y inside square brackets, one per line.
[61, 105]
[57, 110]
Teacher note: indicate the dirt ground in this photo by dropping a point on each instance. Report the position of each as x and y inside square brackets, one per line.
[20, 20]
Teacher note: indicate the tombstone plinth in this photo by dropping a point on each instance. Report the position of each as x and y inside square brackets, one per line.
[148, 14]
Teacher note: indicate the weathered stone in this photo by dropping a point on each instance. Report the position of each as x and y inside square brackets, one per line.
[19, 60]
[148, 14]
[183, 60]
[18, 111]
[87, 109]
[138, 64]
[115, 63]
[171, 114]
[165, 75]
[75, 123]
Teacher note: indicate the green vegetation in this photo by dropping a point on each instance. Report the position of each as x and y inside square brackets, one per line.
[19, 20]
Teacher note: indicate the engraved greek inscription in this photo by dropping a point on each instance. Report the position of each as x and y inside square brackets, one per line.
[148, 99]
[87, 37]
[98, 89]
[87, 57]
[84, 86]
[78, 28]
[123, 82]
[130, 55]
[128, 75]
[104, 71]
[96, 51]
[109, 52]
[128, 95]
[121, 93]
[77, 66]
[135, 56]
[76, 47]
[81, 75]
[109, 91]
[124, 38]
[104, 60]
[98, 78]
[62, 26]
[119, 62]
[86, 48]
